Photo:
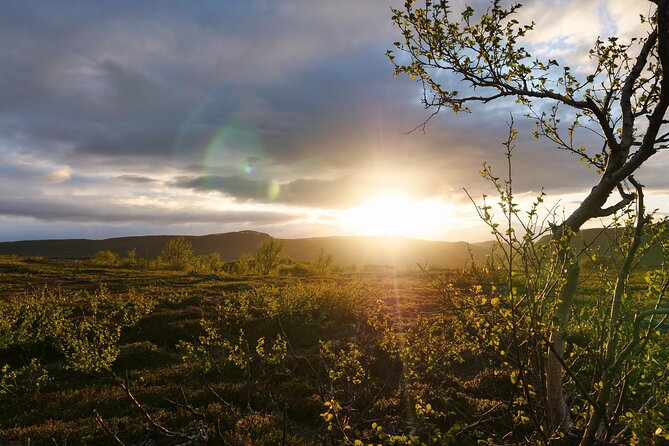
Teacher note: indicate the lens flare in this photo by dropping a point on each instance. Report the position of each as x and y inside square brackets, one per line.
[224, 152]
[273, 190]
[234, 145]
[219, 148]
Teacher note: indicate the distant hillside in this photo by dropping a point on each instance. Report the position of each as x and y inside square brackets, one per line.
[602, 242]
[229, 245]
[401, 252]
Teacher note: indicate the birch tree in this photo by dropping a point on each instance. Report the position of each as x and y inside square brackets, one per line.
[623, 100]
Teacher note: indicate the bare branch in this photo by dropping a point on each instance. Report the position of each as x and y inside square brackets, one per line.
[126, 388]
[605, 212]
[422, 125]
[626, 95]
[185, 405]
[101, 422]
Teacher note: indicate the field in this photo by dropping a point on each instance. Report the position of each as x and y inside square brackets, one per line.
[318, 344]
[97, 354]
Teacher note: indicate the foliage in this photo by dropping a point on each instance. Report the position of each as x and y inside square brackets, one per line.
[206, 263]
[485, 52]
[219, 348]
[84, 327]
[267, 256]
[130, 258]
[245, 265]
[214, 350]
[382, 359]
[324, 262]
[106, 258]
[344, 367]
[32, 316]
[89, 342]
[311, 303]
[177, 254]
[30, 376]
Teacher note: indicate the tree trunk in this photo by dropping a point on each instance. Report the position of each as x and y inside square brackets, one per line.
[558, 413]
[609, 370]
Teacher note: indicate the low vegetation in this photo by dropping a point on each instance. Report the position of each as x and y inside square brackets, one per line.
[266, 351]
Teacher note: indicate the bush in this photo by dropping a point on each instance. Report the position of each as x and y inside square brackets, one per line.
[207, 263]
[178, 254]
[84, 327]
[312, 302]
[106, 258]
[267, 256]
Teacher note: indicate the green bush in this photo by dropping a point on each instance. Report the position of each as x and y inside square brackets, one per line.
[106, 258]
[84, 327]
[267, 256]
[207, 263]
[178, 254]
[312, 302]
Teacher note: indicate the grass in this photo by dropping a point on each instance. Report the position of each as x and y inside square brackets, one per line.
[305, 310]
[205, 352]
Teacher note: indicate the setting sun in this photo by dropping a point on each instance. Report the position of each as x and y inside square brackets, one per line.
[393, 213]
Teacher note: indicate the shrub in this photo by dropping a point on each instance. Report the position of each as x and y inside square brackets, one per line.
[84, 327]
[106, 258]
[324, 262]
[178, 254]
[267, 256]
[312, 302]
[30, 376]
[207, 263]
[295, 269]
[90, 342]
[130, 257]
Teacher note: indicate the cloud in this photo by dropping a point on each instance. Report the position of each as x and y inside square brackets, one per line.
[284, 104]
[58, 175]
[89, 211]
[135, 179]
[343, 192]
[335, 193]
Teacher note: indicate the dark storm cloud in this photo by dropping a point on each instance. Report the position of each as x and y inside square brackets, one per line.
[122, 79]
[240, 188]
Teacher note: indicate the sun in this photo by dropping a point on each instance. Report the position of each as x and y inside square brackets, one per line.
[392, 213]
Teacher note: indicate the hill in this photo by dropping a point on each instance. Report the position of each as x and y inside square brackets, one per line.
[400, 252]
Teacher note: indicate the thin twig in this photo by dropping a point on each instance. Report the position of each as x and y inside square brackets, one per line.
[186, 406]
[102, 423]
[161, 429]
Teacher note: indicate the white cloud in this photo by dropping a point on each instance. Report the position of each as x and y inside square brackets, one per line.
[567, 29]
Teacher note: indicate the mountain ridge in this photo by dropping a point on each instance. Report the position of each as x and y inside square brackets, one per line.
[355, 250]
[397, 251]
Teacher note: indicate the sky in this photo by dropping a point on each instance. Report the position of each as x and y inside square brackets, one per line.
[151, 117]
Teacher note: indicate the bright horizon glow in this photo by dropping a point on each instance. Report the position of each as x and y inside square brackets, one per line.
[392, 213]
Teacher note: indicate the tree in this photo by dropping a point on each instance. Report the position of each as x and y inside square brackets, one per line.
[324, 262]
[267, 256]
[178, 253]
[623, 99]
[106, 258]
